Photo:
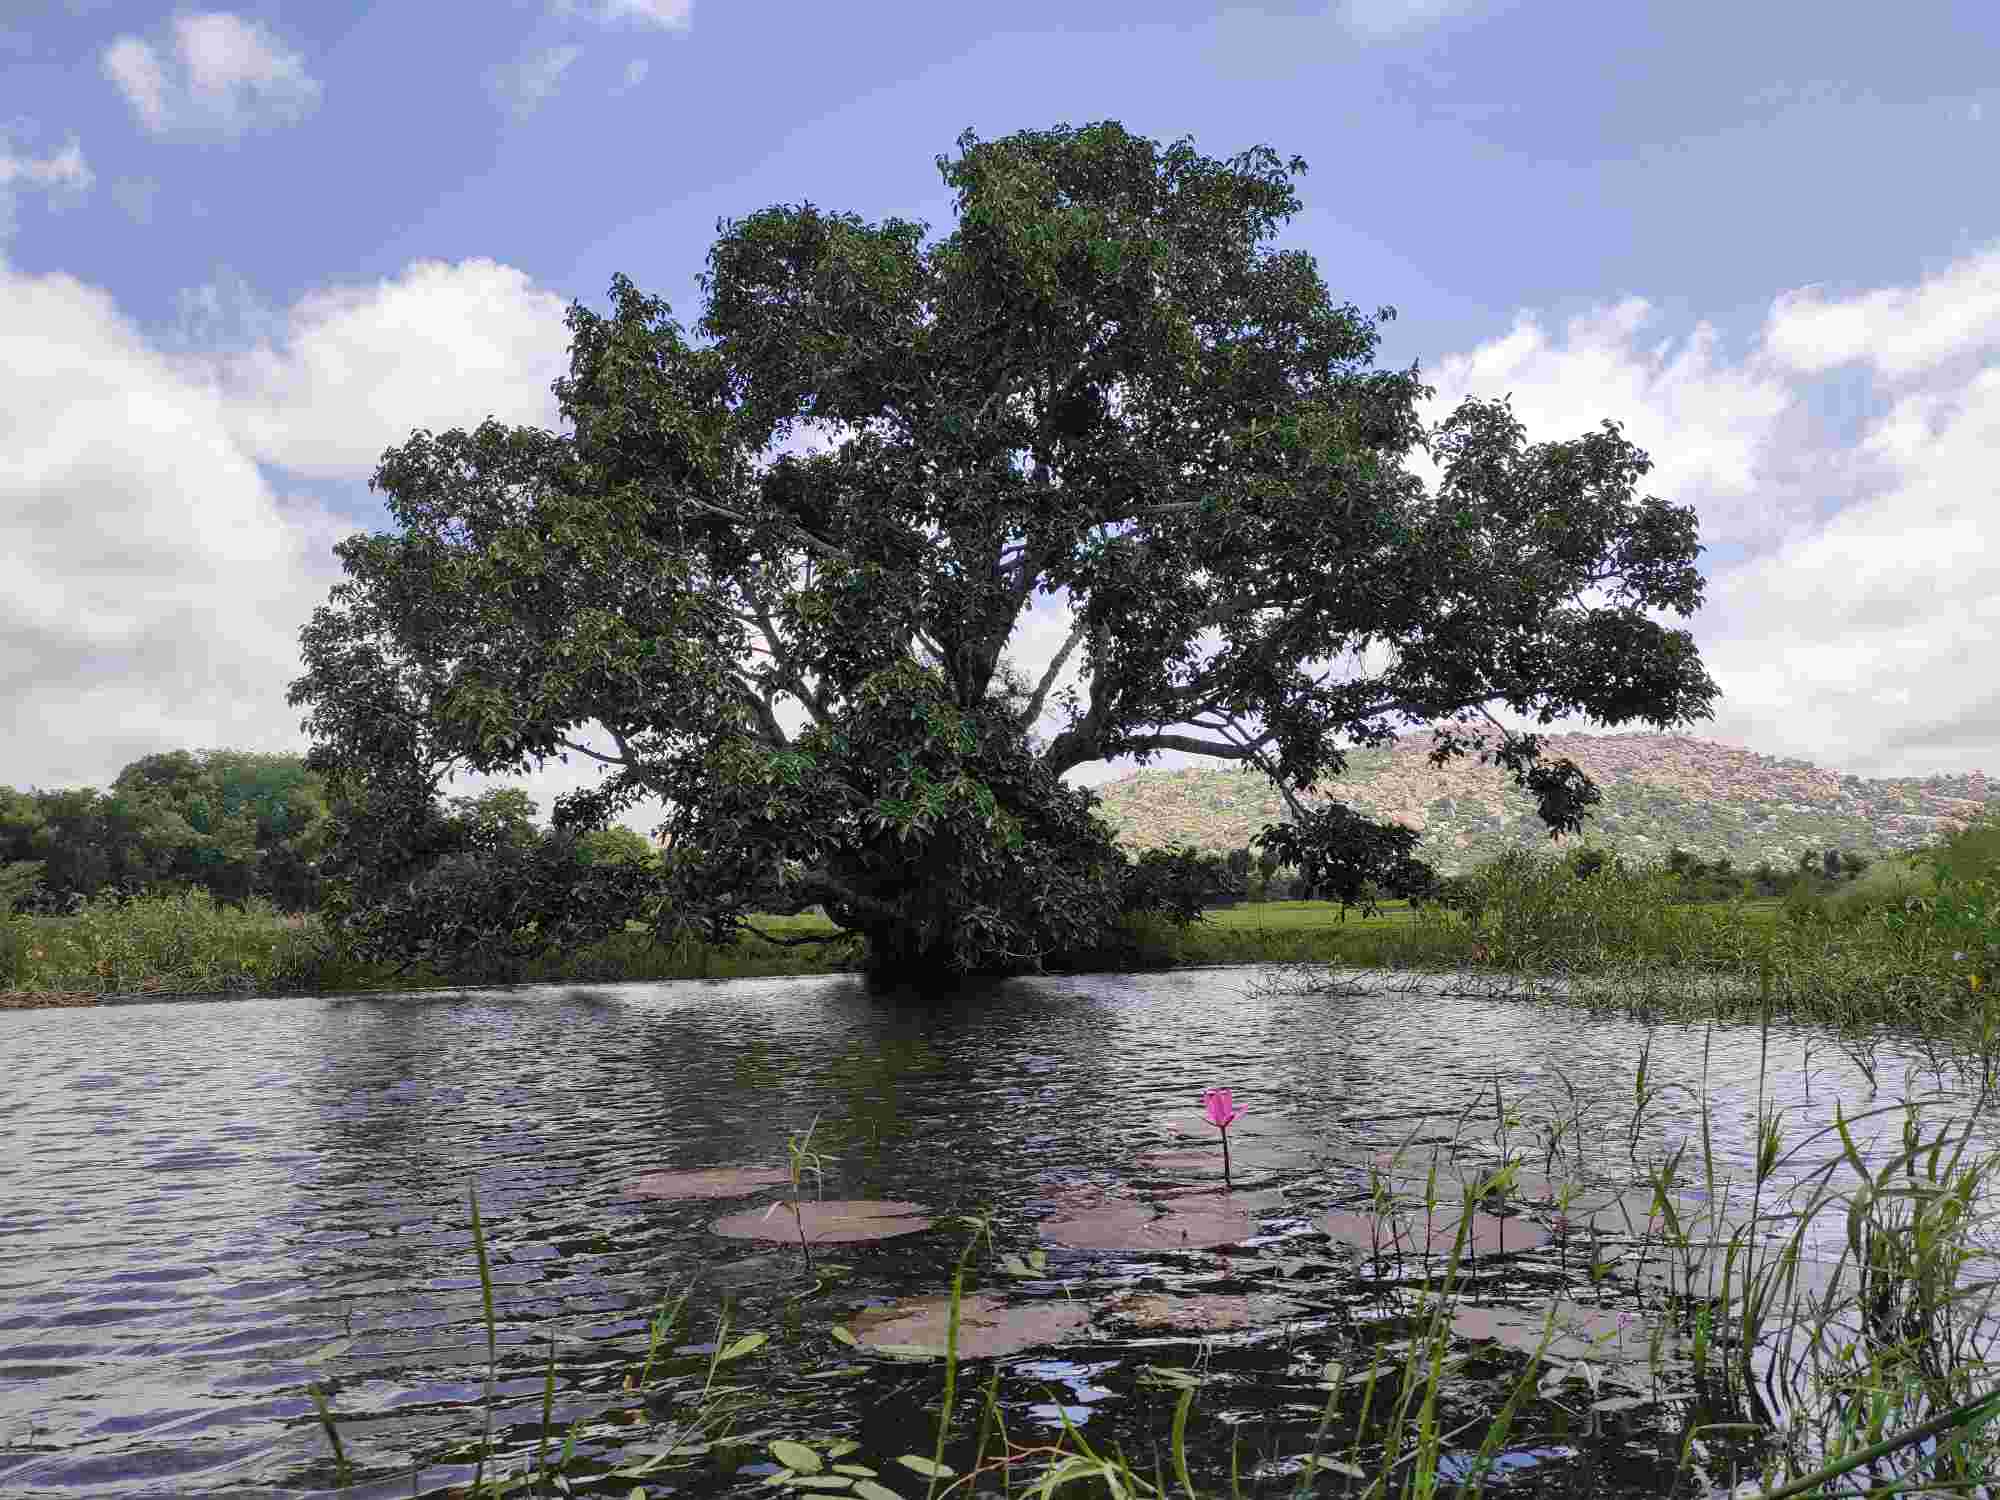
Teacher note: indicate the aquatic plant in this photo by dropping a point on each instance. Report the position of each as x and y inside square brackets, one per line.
[1222, 1113]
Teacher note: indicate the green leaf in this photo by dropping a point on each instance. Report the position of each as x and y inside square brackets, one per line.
[795, 1456]
[843, 1336]
[842, 1448]
[861, 1470]
[868, 1489]
[750, 1343]
[929, 1468]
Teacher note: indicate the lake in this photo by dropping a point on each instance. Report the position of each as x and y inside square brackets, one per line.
[208, 1207]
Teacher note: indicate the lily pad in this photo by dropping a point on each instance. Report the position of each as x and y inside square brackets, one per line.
[1246, 1158]
[1580, 1333]
[1188, 1223]
[709, 1182]
[987, 1325]
[1203, 1313]
[842, 1221]
[1404, 1233]
[1262, 1201]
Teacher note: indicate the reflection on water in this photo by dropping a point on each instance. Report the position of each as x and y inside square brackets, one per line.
[206, 1208]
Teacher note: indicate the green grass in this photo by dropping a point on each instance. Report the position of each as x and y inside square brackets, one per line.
[1913, 942]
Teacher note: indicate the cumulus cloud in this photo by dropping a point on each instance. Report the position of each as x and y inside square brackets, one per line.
[155, 566]
[322, 389]
[150, 577]
[526, 85]
[635, 73]
[1899, 332]
[1706, 422]
[667, 15]
[226, 77]
[1851, 620]
[64, 174]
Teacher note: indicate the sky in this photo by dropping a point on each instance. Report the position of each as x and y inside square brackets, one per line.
[244, 251]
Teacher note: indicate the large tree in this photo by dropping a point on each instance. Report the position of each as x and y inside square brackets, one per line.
[1102, 401]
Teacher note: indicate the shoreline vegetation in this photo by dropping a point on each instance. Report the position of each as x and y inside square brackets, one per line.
[1913, 940]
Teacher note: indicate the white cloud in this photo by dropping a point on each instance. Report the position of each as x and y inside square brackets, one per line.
[1707, 424]
[668, 15]
[525, 86]
[150, 578]
[635, 74]
[1900, 332]
[65, 173]
[1854, 628]
[153, 576]
[348, 371]
[234, 76]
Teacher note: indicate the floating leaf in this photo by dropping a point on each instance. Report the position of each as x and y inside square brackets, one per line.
[861, 1471]
[1204, 1312]
[842, 1448]
[819, 1481]
[929, 1468]
[1125, 1224]
[710, 1182]
[750, 1343]
[795, 1456]
[839, 1222]
[869, 1489]
[843, 1336]
[987, 1325]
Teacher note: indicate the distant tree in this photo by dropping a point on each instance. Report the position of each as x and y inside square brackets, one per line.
[1808, 860]
[1680, 861]
[1852, 864]
[614, 845]
[1337, 851]
[1830, 864]
[20, 881]
[502, 817]
[1766, 876]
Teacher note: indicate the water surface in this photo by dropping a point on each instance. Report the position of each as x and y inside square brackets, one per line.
[201, 1203]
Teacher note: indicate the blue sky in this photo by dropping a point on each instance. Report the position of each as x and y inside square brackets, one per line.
[243, 251]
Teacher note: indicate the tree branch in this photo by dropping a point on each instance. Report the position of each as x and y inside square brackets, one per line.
[1248, 750]
[1033, 711]
[609, 760]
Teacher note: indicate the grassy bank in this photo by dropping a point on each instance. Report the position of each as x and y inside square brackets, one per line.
[1912, 942]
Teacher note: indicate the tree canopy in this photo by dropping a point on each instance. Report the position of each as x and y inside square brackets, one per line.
[1101, 411]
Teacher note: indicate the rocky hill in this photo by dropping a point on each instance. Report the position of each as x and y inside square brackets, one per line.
[1659, 790]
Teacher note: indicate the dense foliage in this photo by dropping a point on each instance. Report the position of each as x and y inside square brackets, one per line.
[1101, 397]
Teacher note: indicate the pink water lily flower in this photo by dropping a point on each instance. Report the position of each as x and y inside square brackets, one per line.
[1222, 1113]
[1220, 1108]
